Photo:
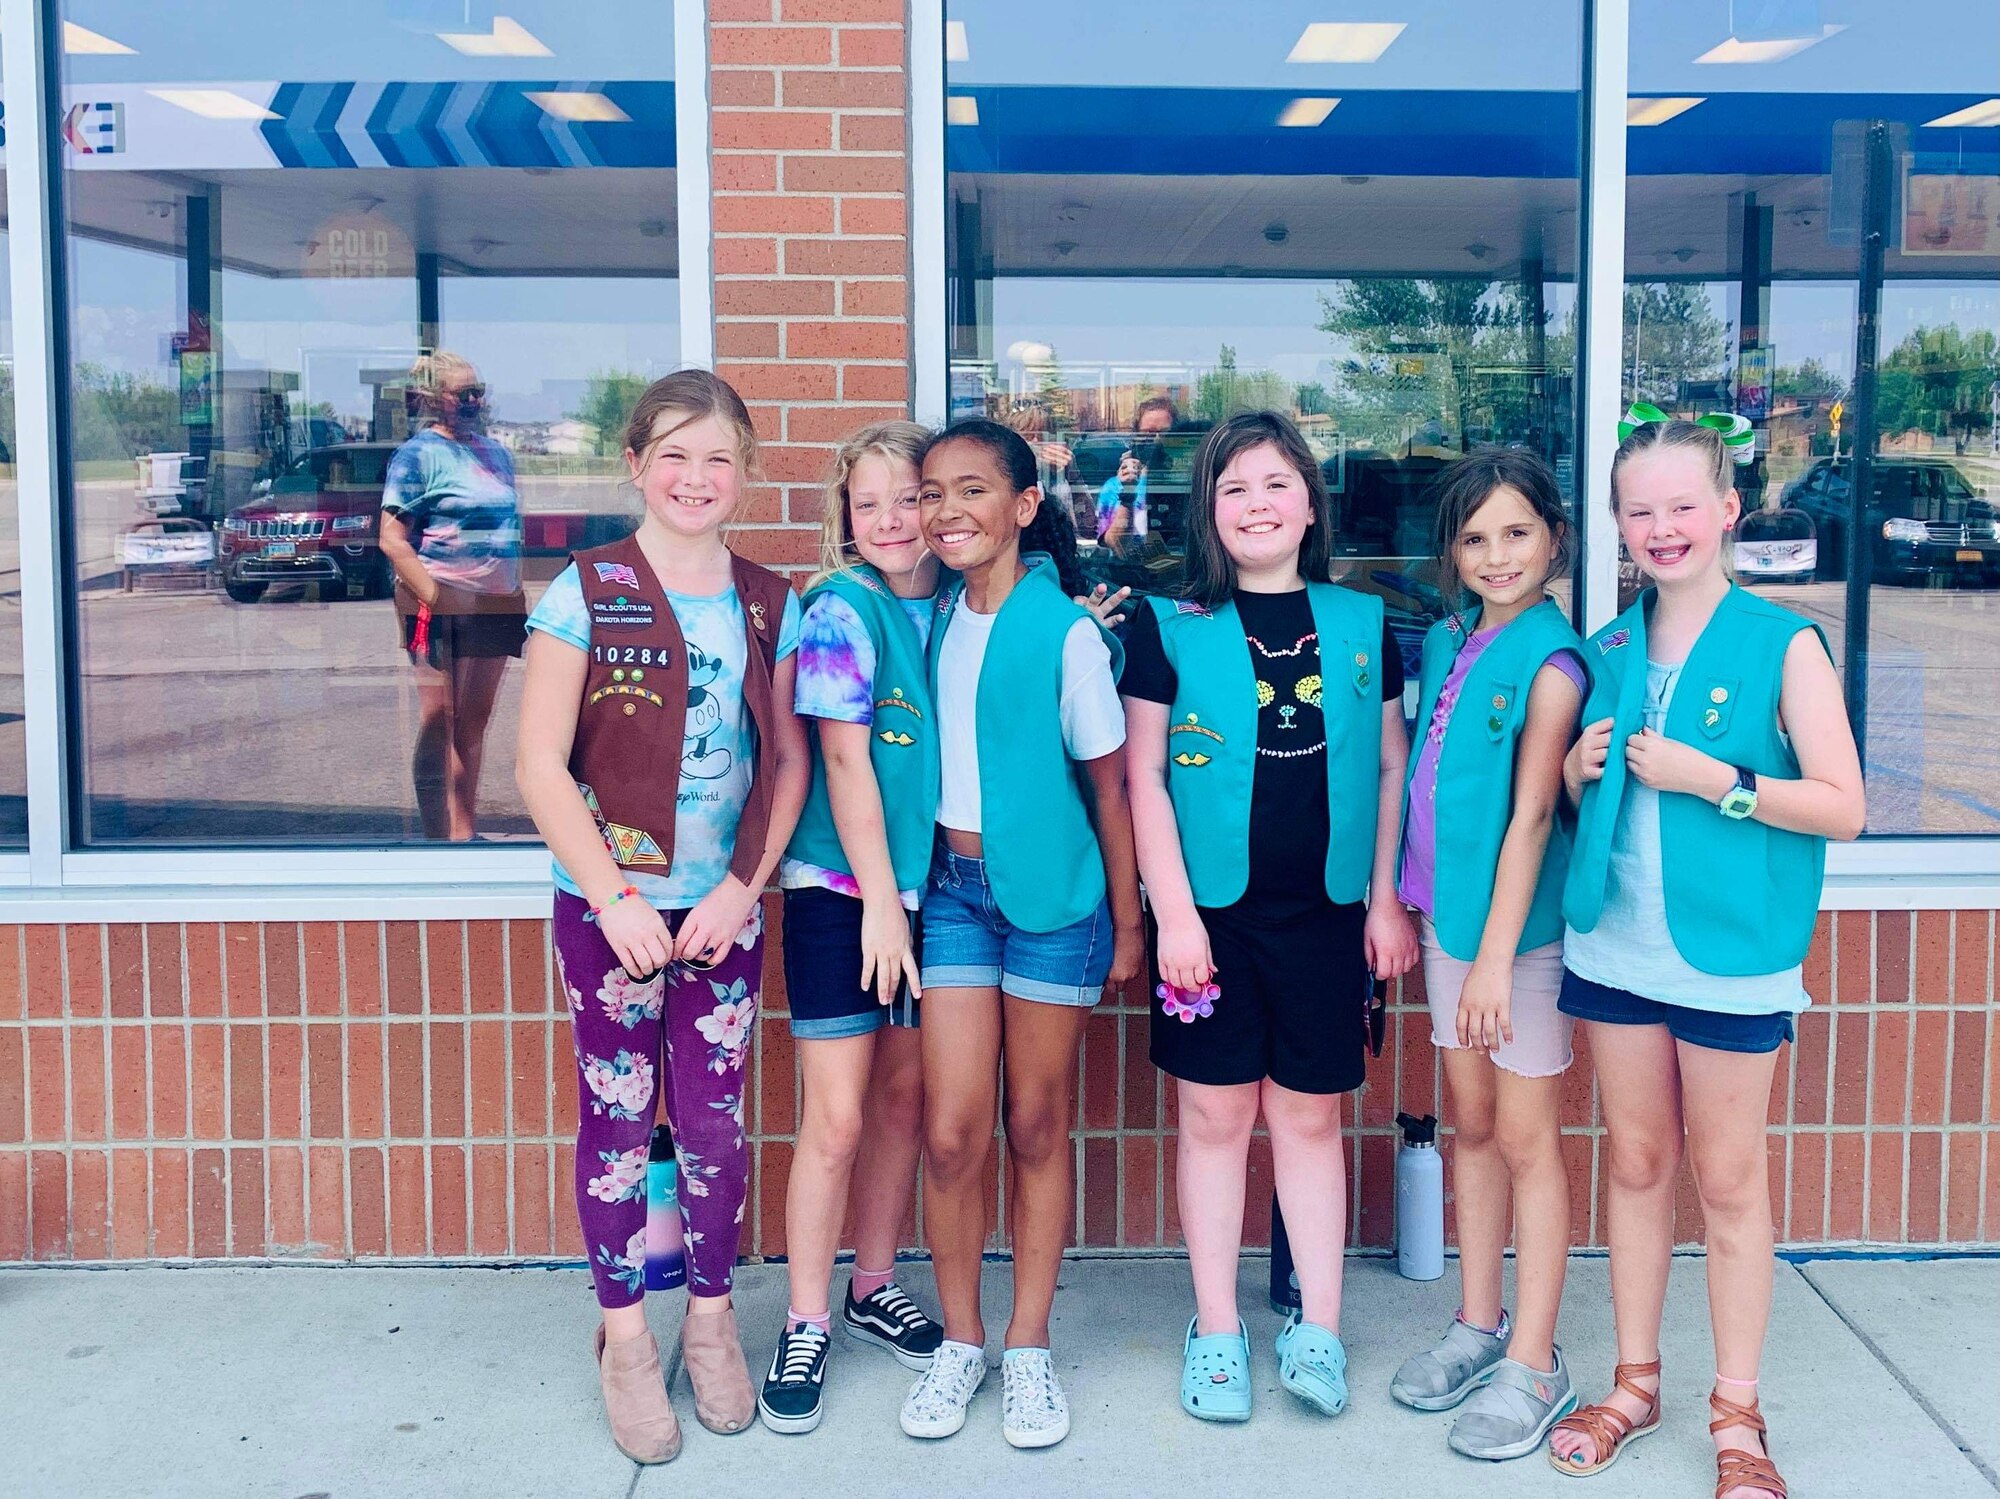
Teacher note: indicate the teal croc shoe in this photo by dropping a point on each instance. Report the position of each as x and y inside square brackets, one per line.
[1215, 1375]
[1312, 1364]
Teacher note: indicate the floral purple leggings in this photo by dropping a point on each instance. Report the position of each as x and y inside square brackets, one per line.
[699, 1022]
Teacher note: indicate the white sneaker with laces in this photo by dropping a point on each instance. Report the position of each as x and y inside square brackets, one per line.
[936, 1403]
[1033, 1412]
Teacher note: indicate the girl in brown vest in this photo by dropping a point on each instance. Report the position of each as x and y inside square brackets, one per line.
[662, 761]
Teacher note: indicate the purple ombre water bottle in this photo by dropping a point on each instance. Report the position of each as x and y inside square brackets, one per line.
[666, 1245]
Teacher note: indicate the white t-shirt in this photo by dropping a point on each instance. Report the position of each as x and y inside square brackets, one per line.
[1093, 719]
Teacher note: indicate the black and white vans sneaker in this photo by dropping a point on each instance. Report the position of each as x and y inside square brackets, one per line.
[790, 1402]
[889, 1319]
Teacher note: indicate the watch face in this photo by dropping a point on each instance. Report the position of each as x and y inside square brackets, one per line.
[1739, 803]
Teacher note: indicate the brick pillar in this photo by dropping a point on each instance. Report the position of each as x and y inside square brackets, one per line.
[812, 254]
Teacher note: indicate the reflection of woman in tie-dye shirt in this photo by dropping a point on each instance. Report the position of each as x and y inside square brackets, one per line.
[451, 529]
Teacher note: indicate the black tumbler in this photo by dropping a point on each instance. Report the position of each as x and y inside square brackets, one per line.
[1285, 1297]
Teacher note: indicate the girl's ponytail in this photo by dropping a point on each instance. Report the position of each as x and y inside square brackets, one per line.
[1053, 532]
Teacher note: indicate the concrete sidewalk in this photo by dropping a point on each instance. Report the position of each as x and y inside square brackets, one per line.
[406, 1383]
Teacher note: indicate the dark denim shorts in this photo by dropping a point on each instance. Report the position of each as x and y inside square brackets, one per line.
[1588, 1000]
[823, 970]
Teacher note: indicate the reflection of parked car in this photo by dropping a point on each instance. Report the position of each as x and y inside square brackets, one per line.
[1776, 546]
[1926, 522]
[314, 523]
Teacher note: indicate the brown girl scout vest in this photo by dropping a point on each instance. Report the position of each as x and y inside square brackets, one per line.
[630, 728]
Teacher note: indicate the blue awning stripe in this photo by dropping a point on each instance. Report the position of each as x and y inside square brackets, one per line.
[465, 125]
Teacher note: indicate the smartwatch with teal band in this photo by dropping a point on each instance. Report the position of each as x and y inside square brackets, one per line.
[1741, 799]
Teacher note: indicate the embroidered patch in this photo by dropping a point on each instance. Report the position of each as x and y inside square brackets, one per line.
[616, 572]
[896, 737]
[1192, 606]
[1192, 761]
[631, 845]
[622, 613]
[1613, 641]
[895, 699]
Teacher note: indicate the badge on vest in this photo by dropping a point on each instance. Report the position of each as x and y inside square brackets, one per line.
[1613, 641]
[1715, 712]
[616, 572]
[1496, 721]
[1194, 607]
[1195, 758]
[1361, 673]
[890, 733]
[756, 615]
[621, 613]
[628, 846]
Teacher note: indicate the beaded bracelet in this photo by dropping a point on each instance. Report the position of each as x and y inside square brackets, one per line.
[596, 911]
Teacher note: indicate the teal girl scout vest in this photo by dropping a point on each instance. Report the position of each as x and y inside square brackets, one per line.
[1212, 738]
[1042, 855]
[902, 748]
[1475, 774]
[1741, 897]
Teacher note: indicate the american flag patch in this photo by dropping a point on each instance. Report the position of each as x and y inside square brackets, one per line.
[1190, 606]
[1614, 640]
[617, 572]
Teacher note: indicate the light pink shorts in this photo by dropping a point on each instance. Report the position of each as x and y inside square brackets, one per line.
[1541, 1044]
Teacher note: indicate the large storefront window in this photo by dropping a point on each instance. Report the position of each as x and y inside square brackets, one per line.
[1161, 216]
[359, 299]
[13, 720]
[1814, 242]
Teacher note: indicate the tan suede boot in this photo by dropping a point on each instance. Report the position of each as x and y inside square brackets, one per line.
[713, 1352]
[643, 1426]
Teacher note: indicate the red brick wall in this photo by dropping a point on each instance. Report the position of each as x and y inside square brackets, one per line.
[811, 191]
[405, 1090]
[402, 1090]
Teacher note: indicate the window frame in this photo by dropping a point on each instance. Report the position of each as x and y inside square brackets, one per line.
[1928, 872]
[53, 882]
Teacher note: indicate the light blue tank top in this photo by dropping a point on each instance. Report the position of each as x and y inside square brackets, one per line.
[1630, 947]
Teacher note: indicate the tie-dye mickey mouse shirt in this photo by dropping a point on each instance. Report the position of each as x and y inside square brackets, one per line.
[836, 682]
[720, 749]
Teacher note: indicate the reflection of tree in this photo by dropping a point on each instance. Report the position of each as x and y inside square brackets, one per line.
[1810, 383]
[1938, 380]
[114, 414]
[1458, 356]
[1672, 336]
[606, 404]
[1225, 389]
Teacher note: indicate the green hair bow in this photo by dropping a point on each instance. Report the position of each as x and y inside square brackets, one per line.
[1737, 435]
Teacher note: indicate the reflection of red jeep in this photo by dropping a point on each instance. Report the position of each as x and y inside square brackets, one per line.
[318, 522]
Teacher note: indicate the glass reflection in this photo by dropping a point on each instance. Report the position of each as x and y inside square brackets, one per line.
[1813, 241]
[281, 294]
[1242, 211]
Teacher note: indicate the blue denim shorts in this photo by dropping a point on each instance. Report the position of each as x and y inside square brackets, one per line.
[1587, 999]
[968, 944]
[823, 970]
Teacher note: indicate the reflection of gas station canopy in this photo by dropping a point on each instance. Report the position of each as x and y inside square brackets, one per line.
[1175, 181]
[486, 176]
[477, 220]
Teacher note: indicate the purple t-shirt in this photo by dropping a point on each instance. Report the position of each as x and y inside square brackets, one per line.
[1418, 883]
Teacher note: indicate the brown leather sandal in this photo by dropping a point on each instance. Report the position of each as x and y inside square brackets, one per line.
[1609, 1428]
[1734, 1467]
